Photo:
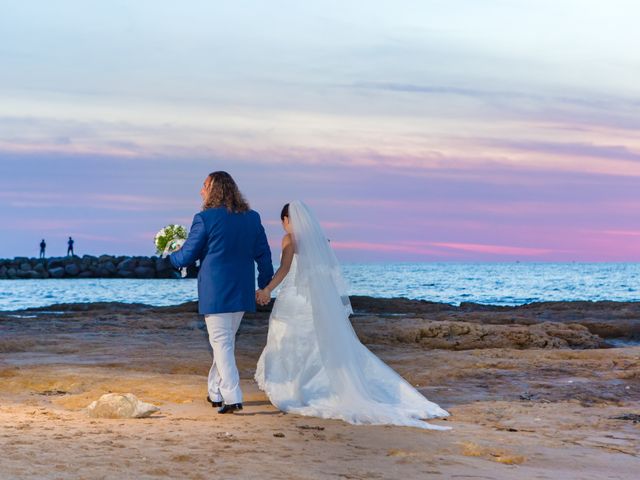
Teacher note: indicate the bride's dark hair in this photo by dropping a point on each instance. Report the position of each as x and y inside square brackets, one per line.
[223, 192]
[284, 212]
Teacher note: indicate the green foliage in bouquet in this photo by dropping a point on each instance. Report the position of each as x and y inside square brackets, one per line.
[168, 236]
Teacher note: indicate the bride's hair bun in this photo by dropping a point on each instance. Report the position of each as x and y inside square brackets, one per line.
[284, 212]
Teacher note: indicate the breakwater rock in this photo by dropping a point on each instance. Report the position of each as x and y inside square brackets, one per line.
[89, 266]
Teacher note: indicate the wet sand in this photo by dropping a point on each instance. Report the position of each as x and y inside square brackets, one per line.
[553, 401]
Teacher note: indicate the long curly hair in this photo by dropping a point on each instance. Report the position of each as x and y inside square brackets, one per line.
[223, 192]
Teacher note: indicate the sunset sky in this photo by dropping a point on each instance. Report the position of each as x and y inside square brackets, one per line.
[426, 130]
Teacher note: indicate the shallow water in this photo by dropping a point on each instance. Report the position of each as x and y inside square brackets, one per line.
[487, 283]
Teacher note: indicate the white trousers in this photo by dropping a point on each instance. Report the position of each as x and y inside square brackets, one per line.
[224, 380]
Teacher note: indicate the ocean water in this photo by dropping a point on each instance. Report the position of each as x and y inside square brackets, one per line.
[487, 283]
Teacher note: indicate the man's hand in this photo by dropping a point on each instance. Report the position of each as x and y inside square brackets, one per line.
[172, 247]
[175, 245]
[263, 297]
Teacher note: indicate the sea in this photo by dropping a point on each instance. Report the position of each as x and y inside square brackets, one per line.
[453, 283]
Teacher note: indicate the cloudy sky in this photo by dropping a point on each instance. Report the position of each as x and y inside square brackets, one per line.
[427, 130]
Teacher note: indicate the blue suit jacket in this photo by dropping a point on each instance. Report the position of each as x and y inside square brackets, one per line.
[227, 245]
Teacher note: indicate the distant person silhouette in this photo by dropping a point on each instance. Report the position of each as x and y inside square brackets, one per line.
[43, 246]
[70, 247]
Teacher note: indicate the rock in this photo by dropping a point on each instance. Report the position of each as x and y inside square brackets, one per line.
[88, 263]
[145, 262]
[108, 267]
[86, 274]
[25, 266]
[171, 273]
[55, 263]
[125, 274]
[101, 272]
[11, 272]
[57, 272]
[631, 417]
[3, 271]
[163, 264]
[72, 269]
[127, 264]
[144, 272]
[23, 274]
[398, 305]
[105, 258]
[117, 405]
[69, 260]
[467, 336]
[39, 267]
[164, 268]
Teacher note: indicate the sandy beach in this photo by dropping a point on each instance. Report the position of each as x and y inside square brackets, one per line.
[534, 392]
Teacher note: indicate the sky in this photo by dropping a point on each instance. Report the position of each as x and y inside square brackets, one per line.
[427, 130]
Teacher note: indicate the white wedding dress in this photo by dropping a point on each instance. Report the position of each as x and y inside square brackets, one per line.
[313, 363]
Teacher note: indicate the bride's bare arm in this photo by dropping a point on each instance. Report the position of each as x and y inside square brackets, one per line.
[285, 264]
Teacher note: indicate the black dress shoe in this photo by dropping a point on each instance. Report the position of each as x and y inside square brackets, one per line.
[214, 404]
[230, 408]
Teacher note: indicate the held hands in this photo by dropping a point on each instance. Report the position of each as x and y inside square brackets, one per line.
[263, 297]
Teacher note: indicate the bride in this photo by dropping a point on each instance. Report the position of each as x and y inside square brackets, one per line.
[313, 363]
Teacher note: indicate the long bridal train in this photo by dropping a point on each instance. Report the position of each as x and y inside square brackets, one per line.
[313, 363]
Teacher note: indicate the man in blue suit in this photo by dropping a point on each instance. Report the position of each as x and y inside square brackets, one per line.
[227, 237]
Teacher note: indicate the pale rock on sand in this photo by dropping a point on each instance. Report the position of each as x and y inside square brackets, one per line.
[117, 405]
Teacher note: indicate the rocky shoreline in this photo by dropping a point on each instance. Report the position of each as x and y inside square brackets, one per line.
[566, 319]
[89, 266]
[400, 321]
[529, 391]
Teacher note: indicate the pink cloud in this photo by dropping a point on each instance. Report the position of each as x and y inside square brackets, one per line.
[103, 201]
[48, 147]
[40, 225]
[624, 233]
[366, 202]
[327, 225]
[493, 249]
[99, 238]
[335, 225]
[67, 225]
[385, 247]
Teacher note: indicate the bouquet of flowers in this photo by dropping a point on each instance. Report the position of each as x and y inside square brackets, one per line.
[170, 239]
